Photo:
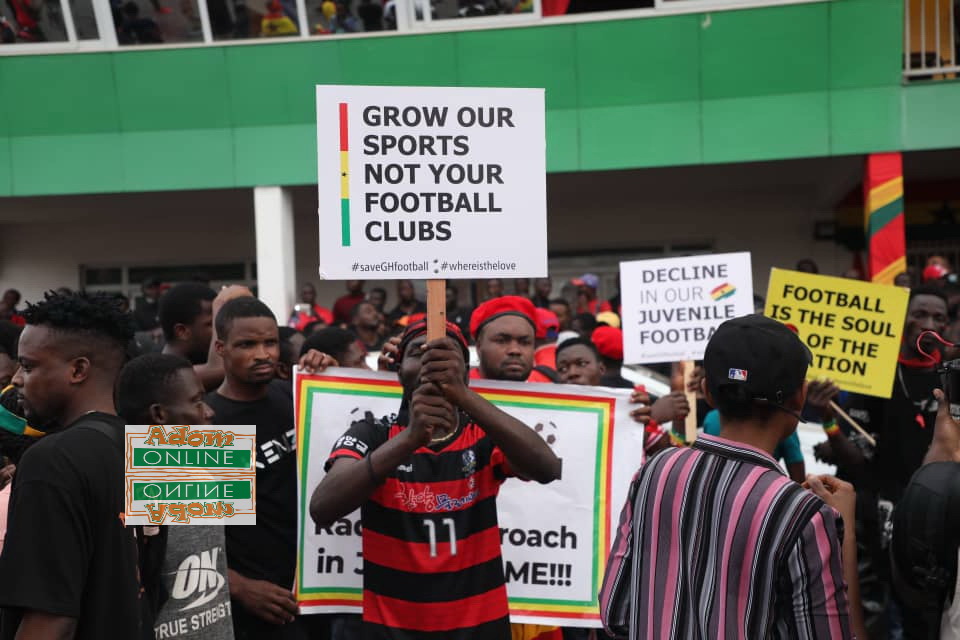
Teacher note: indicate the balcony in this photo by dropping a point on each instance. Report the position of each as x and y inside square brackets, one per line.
[930, 42]
[62, 26]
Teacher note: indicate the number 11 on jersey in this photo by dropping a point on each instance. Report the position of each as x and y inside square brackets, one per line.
[432, 532]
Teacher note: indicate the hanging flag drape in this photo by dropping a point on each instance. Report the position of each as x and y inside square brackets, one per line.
[883, 209]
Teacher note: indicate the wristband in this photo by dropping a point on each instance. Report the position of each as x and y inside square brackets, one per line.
[831, 428]
[370, 471]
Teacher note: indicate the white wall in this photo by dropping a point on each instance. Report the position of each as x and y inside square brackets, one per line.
[768, 209]
[43, 241]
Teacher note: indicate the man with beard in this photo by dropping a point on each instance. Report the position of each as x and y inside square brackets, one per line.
[504, 329]
[262, 558]
[902, 425]
[69, 563]
[447, 437]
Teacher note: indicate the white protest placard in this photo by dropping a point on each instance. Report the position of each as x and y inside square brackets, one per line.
[555, 537]
[672, 306]
[431, 182]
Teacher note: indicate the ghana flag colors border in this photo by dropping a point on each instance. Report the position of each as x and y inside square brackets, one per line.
[308, 388]
[344, 176]
[884, 220]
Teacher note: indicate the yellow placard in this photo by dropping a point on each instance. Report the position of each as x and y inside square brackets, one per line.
[853, 328]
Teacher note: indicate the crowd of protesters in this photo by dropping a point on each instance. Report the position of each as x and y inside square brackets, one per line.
[716, 539]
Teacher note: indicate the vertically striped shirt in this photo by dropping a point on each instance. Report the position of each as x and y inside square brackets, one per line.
[716, 542]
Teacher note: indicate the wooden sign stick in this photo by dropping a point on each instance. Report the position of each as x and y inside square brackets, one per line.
[437, 309]
[690, 428]
[680, 381]
[853, 423]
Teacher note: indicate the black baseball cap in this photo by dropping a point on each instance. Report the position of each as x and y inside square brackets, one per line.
[758, 353]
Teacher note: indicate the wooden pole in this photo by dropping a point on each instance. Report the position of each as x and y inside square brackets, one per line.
[690, 428]
[853, 423]
[436, 308]
[680, 381]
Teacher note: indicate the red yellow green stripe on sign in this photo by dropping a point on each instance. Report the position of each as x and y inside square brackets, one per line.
[311, 388]
[603, 408]
[884, 221]
[725, 290]
[344, 177]
[307, 388]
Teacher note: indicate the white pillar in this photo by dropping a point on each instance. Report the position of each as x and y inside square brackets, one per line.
[273, 220]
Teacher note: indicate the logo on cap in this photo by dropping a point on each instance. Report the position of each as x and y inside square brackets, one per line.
[738, 374]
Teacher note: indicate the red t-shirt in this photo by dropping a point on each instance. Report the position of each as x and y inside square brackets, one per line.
[344, 305]
[546, 356]
[299, 321]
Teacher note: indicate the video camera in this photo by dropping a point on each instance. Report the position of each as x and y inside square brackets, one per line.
[950, 383]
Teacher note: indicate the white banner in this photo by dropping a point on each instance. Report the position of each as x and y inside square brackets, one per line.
[672, 306]
[431, 182]
[555, 537]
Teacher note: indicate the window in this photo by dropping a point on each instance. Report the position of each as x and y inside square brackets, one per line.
[442, 13]
[931, 48]
[156, 21]
[28, 21]
[238, 19]
[128, 279]
[326, 17]
[69, 25]
[84, 19]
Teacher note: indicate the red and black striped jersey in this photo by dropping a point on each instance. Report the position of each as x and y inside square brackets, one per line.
[432, 567]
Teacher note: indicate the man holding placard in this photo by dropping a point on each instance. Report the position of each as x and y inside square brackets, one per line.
[427, 488]
[423, 182]
[866, 338]
[431, 182]
[904, 424]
